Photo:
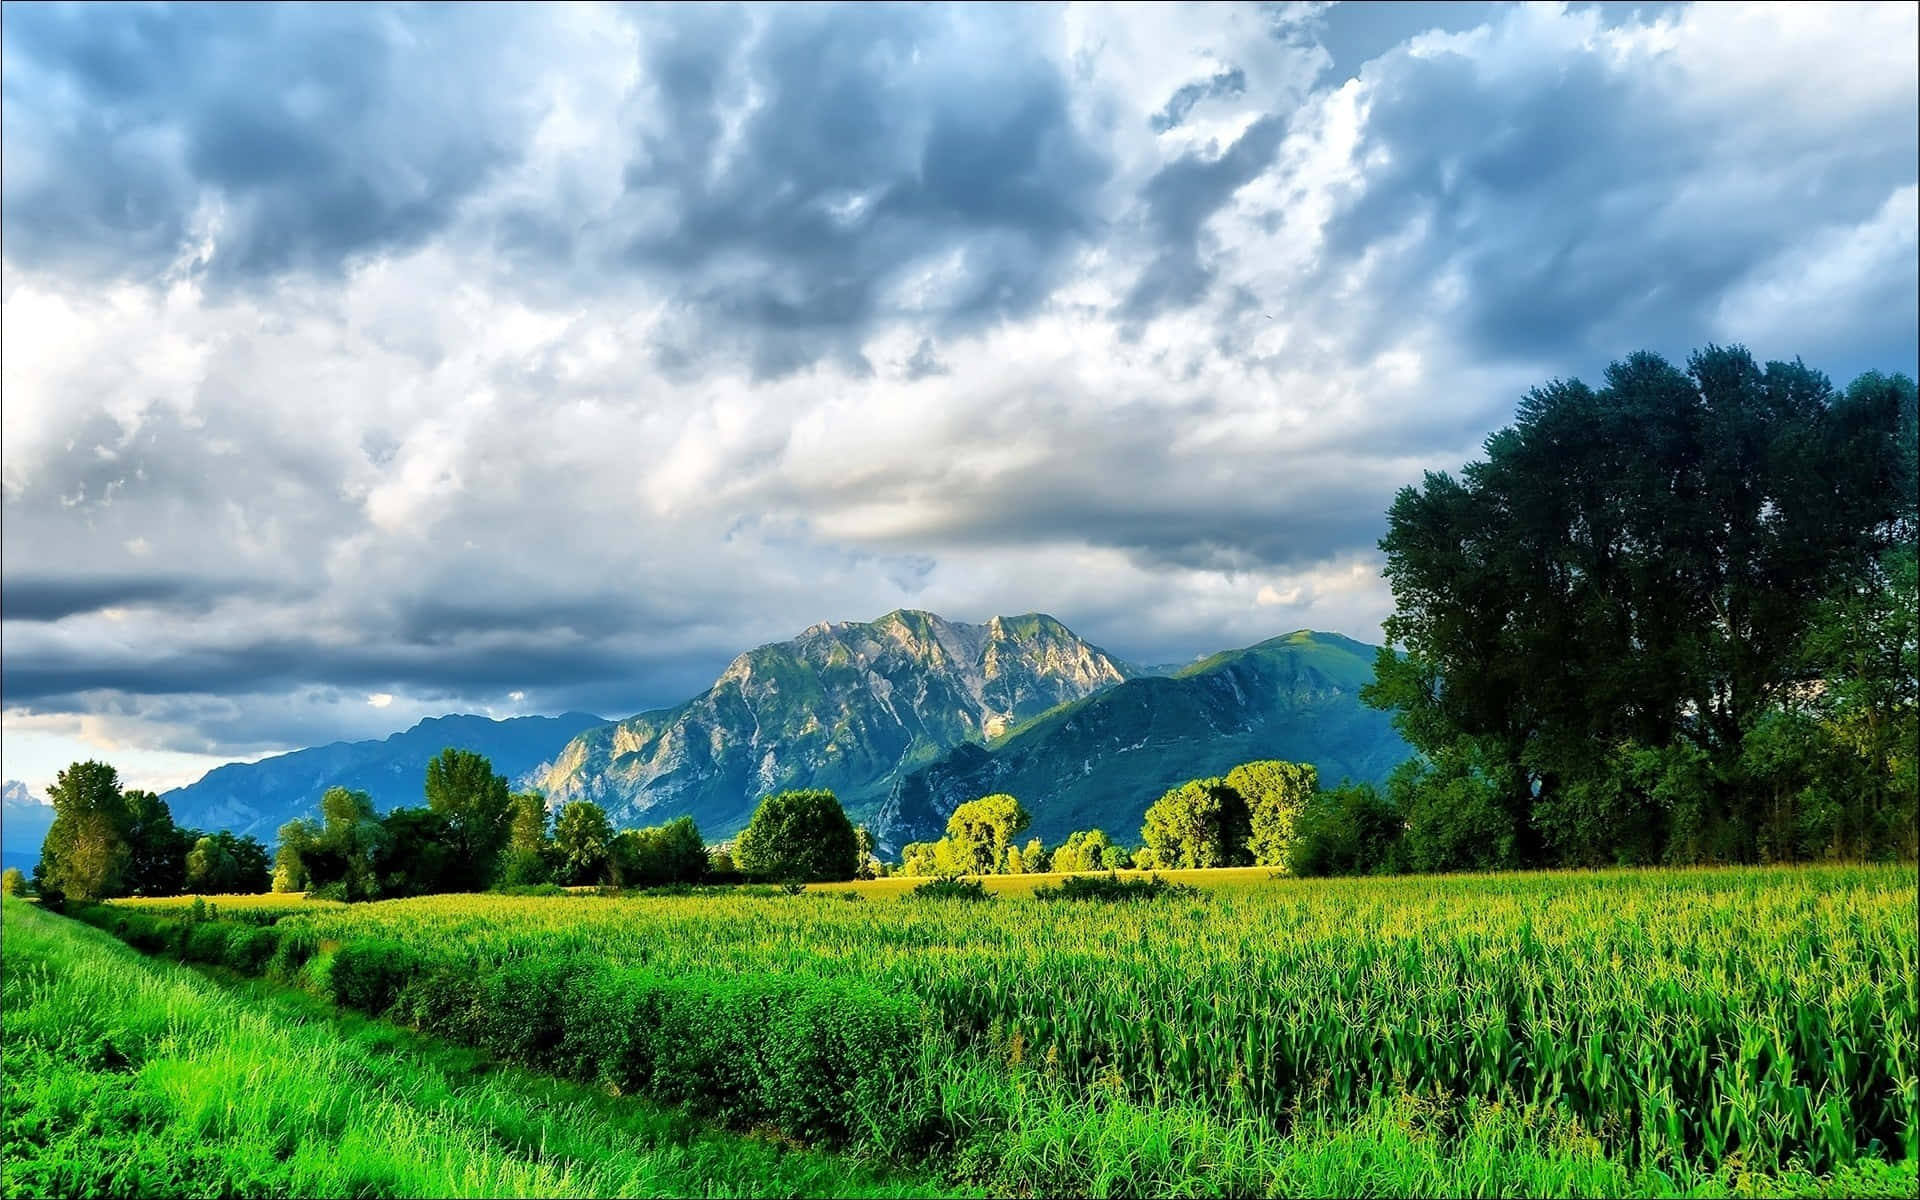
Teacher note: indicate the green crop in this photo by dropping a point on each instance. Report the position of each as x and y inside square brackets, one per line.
[1731, 1020]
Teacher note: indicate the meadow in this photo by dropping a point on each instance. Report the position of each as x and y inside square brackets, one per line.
[1729, 1031]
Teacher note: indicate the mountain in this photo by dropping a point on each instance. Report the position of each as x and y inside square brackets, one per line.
[1101, 761]
[24, 821]
[846, 705]
[259, 797]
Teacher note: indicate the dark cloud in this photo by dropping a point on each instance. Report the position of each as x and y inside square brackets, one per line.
[53, 597]
[316, 133]
[1583, 209]
[1179, 199]
[881, 141]
[1231, 82]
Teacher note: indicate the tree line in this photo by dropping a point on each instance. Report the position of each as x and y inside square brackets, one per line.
[106, 841]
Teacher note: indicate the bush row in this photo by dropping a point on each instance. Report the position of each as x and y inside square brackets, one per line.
[824, 1061]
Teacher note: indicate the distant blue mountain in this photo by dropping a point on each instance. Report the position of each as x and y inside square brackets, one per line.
[258, 797]
[24, 821]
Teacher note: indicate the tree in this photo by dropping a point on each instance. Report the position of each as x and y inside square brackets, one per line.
[156, 847]
[1621, 590]
[12, 881]
[1033, 857]
[982, 830]
[1201, 823]
[582, 839]
[1084, 850]
[662, 854]
[414, 854]
[869, 864]
[1351, 830]
[1275, 792]
[85, 854]
[529, 855]
[463, 789]
[799, 837]
[527, 825]
[297, 839]
[221, 864]
[342, 858]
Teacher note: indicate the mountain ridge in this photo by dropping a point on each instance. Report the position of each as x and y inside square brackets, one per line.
[258, 797]
[844, 705]
[1100, 761]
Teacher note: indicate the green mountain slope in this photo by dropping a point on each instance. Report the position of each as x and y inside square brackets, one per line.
[846, 705]
[1100, 761]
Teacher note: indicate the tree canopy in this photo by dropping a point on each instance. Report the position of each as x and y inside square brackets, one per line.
[1606, 622]
[799, 837]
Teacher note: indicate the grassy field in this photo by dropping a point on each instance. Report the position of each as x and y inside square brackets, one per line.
[128, 1077]
[1619, 1033]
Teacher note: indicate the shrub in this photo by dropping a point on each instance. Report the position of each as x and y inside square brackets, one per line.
[949, 887]
[295, 946]
[249, 947]
[368, 975]
[206, 942]
[13, 881]
[1111, 889]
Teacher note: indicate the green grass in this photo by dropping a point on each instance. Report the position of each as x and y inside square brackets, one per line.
[130, 1077]
[1748, 1031]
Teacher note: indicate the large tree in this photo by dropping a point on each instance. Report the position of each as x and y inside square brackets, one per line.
[799, 837]
[982, 831]
[1201, 823]
[582, 841]
[85, 854]
[1598, 615]
[156, 847]
[1275, 792]
[463, 789]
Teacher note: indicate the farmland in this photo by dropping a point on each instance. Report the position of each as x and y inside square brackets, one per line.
[1612, 1033]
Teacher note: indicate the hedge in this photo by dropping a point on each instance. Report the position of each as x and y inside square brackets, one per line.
[825, 1061]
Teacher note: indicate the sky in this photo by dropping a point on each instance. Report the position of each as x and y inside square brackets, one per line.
[363, 363]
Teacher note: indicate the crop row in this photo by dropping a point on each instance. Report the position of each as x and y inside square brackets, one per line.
[1701, 1016]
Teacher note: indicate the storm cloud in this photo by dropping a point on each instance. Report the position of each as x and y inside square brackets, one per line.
[363, 363]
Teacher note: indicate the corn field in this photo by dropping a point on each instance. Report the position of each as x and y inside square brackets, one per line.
[1755, 1017]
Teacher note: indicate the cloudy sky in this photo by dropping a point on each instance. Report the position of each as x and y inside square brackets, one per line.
[363, 363]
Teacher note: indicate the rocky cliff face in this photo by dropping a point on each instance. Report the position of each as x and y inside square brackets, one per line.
[1100, 762]
[846, 705]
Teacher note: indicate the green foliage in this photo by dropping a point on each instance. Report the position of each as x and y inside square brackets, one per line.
[85, 854]
[1350, 830]
[672, 853]
[1623, 1013]
[297, 838]
[1113, 889]
[129, 1077]
[801, 836]
[414, 855]
[527, 826]
[950, 887]
[1201, 823]
[982, 831]
[476, 805]
[222, 864]
[1275, 793]
[13, 881]
[156, 847]
[582, 842]
[1630, 590]
[1084, 850]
